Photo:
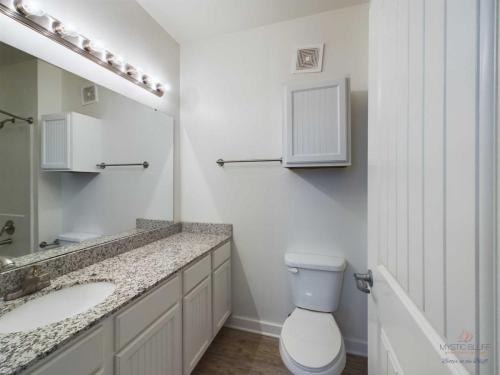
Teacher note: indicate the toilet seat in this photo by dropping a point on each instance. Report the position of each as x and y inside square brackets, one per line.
[311, 343]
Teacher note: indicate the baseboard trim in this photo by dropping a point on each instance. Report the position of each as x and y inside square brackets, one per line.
[356, 346]
[353, 346]
[255, 326]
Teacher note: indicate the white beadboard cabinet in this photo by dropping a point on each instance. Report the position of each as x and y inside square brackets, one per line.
[221, 287]
[317, 130]
[197, 312]
[70, 142]
[84, 357]
[157, 351]
[166, 332]
[221, 295]
[197, 323]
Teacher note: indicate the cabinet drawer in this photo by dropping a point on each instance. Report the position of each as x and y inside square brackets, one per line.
[83, 358]
[196, 273]
[136, 318]
[220, 255]
[157, 350]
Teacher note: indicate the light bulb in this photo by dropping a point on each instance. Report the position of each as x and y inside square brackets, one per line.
[28, 8]
[131, 71]
[65, 31]
[147, 80]
[93, 47]
[114, 60]
[160, 88]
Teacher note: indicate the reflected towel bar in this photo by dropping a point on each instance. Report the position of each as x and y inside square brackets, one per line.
[8, 241]
[221, 162]
[45, 244]
[144, 164]
[29, 120]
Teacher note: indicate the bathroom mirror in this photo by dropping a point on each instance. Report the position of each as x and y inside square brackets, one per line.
[74, 154]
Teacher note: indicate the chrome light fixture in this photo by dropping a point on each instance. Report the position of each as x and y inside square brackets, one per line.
[31, 15]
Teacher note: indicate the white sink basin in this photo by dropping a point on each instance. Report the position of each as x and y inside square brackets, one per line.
[55, 306]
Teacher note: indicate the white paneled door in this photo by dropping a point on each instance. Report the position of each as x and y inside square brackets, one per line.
[431, 137]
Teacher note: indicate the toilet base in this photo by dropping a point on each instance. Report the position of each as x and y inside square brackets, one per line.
[335, 369]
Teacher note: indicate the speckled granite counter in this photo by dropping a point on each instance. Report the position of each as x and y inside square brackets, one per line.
[134, 273]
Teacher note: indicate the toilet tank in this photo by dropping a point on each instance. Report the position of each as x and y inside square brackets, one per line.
[316, 280]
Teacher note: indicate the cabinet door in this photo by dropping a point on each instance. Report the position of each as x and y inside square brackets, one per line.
[317, 124]
[85, 357]
[156, 351]
[56, 141]
[197, 323]
[221, 295]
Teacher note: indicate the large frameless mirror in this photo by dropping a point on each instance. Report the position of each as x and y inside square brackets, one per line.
[79, 164]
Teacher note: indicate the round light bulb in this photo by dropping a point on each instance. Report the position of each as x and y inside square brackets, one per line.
[131, 71]
[93, 47]
[65, 31]
[114, 60]
[160, 88]
[29, 8]
[147, 80]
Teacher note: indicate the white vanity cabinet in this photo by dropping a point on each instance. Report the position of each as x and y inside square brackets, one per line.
[166, 332]
[197, 312]
[317, 124]
[84, 357]
[148, 335]
[221, 286]
[156, 351]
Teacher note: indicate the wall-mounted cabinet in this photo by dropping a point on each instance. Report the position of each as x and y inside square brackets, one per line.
[70, 142]
[317, 129]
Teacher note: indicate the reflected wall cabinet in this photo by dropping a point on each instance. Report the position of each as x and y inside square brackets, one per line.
[317, 130]
[70, 142]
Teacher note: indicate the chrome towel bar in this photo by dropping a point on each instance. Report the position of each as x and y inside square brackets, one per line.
[144, 164]
[221, 162]
[45, 244]
[8, 241]
[29, 120]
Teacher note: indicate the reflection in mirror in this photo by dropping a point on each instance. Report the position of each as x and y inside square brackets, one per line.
[54, 196]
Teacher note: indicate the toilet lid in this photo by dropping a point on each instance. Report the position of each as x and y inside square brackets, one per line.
[312, 339]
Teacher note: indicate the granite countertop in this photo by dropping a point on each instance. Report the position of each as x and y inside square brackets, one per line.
[134, 273]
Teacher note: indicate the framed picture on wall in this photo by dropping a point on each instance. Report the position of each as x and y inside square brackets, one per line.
[308, 59]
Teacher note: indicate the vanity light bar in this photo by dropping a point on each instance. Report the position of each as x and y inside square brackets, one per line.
[30, 15]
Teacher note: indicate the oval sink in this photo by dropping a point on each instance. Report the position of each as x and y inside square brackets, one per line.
[55, 306]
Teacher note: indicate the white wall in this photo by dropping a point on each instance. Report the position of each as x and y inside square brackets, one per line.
[231, 107]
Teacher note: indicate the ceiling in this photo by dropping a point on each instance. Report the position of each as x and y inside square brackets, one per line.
[191, 20]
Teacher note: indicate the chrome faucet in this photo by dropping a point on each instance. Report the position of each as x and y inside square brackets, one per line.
[8, 228]
[5, 263]
[33, 282]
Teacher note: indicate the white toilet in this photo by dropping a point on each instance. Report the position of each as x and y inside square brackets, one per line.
[310, 341]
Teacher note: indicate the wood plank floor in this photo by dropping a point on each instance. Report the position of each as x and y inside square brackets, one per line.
[238, 352]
